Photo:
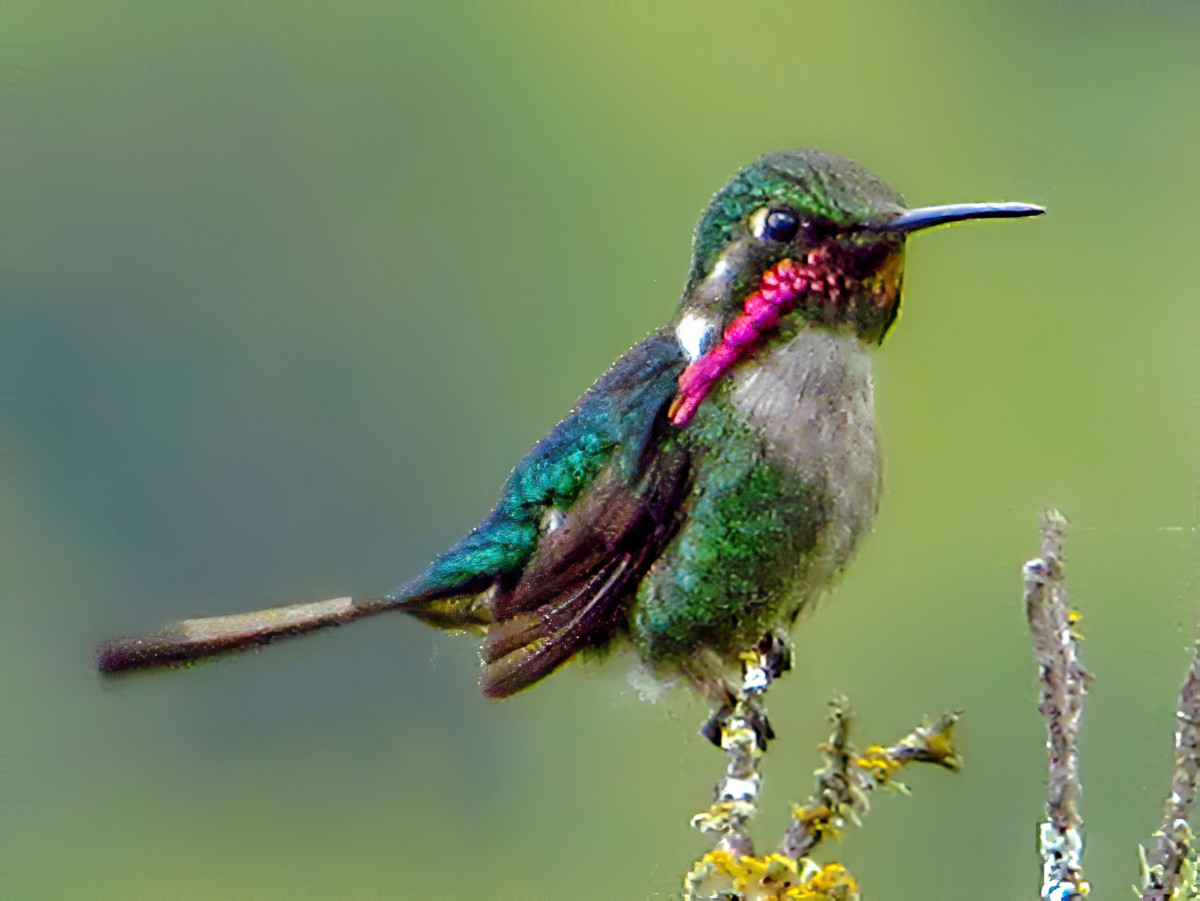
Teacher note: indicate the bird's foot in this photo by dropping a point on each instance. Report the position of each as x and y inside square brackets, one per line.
[714, 726]
[770, 658]
[775, 649]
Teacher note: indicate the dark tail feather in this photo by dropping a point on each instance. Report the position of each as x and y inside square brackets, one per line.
[195, 639]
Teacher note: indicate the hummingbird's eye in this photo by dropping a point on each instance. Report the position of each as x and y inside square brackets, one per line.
[779, 225]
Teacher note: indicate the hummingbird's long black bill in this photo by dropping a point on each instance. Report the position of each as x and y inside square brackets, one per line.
[195, 639]
[929, 216]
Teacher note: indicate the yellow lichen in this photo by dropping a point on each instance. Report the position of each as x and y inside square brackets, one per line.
[820, 820]
[723, 815]
[831, 882]
[1074, 618]
[740, 736]
[878, 763]
[941, 748]
[773, 877]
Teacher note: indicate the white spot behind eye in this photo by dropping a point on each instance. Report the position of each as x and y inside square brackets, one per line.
[758, 220]
[695, 333]
[720, 269]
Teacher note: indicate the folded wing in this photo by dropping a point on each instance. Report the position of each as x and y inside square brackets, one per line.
[579, 522]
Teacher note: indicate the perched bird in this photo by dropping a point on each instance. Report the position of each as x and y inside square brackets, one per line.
[708, 487]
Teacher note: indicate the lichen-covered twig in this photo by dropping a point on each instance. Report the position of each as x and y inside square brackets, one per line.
[844, 782]
[1169, 868]
[742, 730]
[1063, 683]
[847, 777]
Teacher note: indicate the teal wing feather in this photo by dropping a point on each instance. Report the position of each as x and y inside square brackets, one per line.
[594, 466]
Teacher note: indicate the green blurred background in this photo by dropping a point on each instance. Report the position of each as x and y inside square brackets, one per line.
[288, 289]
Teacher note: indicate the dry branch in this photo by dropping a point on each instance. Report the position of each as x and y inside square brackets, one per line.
[1063, 683]
[847, 778]
[1169, 868]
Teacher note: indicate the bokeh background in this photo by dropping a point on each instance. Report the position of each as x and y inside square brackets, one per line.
[287, 290]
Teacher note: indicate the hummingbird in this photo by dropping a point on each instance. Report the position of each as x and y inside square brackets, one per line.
[708, 488]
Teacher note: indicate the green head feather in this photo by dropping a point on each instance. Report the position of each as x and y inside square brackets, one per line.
[819, 186]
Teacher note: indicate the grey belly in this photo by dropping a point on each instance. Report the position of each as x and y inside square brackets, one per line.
[811, 400]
